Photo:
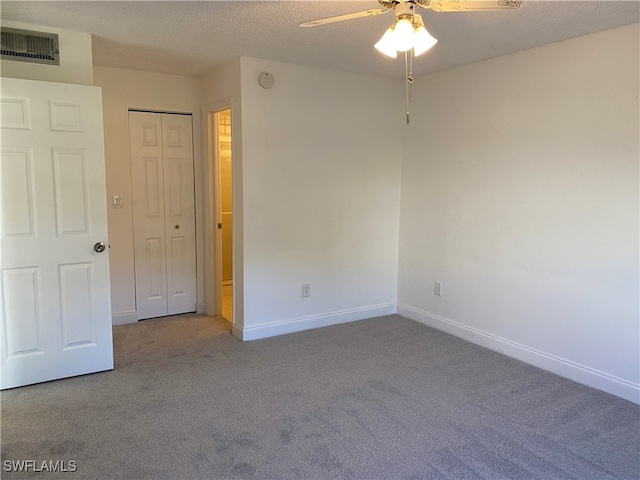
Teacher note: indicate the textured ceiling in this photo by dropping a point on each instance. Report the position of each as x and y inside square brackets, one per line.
[192, 38]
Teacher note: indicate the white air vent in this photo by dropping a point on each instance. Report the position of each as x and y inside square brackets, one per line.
[28, 46]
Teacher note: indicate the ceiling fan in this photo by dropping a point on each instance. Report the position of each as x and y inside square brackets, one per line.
[435, 5]
[408, 33]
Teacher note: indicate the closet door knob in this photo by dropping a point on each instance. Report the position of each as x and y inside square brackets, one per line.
[177, 227]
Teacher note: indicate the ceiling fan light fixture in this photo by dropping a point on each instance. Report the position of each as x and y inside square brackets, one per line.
[422, 39]
[386, 44]
[408, 33]
[403, 35]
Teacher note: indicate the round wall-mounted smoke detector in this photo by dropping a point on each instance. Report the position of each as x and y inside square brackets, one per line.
[265, 79]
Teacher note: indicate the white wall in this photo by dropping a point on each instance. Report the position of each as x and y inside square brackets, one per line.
[75, 58]
[520, 194]
[122, 90]
[321, 157]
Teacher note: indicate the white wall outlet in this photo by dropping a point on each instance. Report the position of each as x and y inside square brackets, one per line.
[306, 289]
[437, 288]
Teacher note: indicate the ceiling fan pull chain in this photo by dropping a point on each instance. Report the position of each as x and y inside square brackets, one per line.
[408, 68]
[410, 74]
[407, 94]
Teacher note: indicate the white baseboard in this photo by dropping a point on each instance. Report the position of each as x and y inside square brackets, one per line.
[201, 308]
[560, 366]
[265, 330]
[124, 318]
[237, 331]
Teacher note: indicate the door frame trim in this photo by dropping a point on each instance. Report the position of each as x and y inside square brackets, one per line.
[213, 236]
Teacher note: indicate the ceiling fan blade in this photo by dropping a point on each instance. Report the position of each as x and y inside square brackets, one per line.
[472, 5]
[348, 16]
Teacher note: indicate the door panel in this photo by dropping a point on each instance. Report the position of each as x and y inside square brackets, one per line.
[15, 113]
[76, 300]
[70, 184]
[153, 182]
[178, 260]
[155, 258]
[23, 322]
[180, 213]
[148, 214]
[55, 295]
[174, 179]
[17, 187]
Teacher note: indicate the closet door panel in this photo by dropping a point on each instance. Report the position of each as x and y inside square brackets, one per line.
[147, 175]
[179, 213]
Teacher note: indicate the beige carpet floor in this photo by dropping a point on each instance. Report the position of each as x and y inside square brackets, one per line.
[385, 398]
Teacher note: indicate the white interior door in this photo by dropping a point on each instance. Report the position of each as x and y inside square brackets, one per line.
[163, 213]
[55, 296]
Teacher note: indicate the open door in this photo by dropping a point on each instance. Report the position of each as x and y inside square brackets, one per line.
[54, 292]
[223, 160]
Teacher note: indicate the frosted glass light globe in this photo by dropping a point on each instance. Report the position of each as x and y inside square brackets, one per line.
[422, 41]
[403, 35]
[386, 44]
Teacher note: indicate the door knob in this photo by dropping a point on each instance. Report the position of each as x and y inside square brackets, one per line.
[99, 247]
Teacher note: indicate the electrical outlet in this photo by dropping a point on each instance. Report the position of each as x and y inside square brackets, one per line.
[306, 289]
[437, 288]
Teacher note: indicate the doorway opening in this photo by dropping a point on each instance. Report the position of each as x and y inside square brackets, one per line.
[224, 208]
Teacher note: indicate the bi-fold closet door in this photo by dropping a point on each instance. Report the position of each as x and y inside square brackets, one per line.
[163, 213]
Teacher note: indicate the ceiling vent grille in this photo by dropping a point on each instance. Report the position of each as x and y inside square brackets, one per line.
[28, 46]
